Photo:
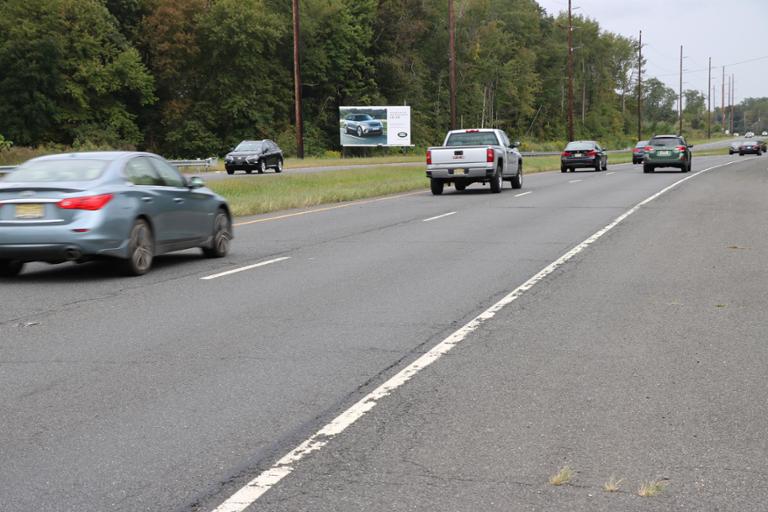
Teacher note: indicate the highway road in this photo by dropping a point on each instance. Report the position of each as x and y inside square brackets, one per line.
[621, 332]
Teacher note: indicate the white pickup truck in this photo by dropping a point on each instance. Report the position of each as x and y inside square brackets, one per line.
[476, 155]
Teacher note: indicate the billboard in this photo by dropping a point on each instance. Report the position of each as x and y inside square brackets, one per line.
[375, 126]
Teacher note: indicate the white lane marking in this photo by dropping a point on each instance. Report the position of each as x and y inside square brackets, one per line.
[253, 490]
[524, 193]
[439, 216]
[242, 269]
[609, 173]
[327, 208]
[575, 181]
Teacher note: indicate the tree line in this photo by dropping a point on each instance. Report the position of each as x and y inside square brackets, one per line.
[193, 77]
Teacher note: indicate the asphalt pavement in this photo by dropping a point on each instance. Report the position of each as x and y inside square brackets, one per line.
[641, 357]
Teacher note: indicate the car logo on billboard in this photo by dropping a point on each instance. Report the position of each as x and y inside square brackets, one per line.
[402, 135]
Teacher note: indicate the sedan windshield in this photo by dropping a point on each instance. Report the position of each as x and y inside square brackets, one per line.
[249, 146]
[472, 139]
[70, 169]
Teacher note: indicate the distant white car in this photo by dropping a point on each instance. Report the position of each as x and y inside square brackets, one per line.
[749, 135]
[764, 134]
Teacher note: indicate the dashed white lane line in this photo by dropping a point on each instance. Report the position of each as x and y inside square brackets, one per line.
[609, 173]
[575, 181]
[242, 269]
[524, 193]
[439, 216]
[253, 490]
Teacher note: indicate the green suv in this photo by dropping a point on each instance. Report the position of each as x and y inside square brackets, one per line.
[667, 151]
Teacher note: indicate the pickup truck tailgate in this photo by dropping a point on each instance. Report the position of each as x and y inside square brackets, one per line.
[463, 156]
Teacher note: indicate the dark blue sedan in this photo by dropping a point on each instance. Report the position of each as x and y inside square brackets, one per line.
[126, 206]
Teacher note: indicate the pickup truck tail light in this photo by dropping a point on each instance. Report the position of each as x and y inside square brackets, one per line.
[489, 155]
[429, 157]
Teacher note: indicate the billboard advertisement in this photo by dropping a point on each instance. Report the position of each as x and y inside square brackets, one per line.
[375, 126]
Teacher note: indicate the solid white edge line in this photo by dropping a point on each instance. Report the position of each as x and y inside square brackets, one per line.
[524, 193]
[438, 216]
[242, 269]
[254, 489]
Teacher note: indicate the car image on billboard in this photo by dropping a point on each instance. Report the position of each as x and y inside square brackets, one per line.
[360, 126]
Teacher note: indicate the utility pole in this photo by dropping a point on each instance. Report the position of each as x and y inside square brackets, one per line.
[452, 62]
[733, 101]
[709, 101]
[297, 82]
[722, 100]
[680, 97]
[570, 73]
[727, 111]
[640, 87]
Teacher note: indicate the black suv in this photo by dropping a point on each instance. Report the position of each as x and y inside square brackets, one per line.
[254, 155]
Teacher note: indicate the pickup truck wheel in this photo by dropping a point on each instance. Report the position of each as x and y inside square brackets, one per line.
[459, 186]
[517, 181]
[496, 182]
[436, 186]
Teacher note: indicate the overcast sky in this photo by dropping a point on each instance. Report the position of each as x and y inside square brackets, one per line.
[729, 31]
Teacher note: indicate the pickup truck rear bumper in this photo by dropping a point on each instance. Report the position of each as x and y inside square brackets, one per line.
[460, 173]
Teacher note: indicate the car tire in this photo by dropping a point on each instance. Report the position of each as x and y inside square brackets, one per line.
[459, 186]
[647, 168]
[741, 153]
[279, 166]
[248, 171]
[436, 186]
[230, 171]
[496, 182]
[141, 249]
[359, 131]
[517, 180]
[598, 165]
[605, 165]
[262, 166]
[10, 268]
[563, 168]
[220, 239]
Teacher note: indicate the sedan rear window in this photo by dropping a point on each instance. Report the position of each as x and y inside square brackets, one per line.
[70, 169]
[472, 139]
[579, 146]
[666, 142]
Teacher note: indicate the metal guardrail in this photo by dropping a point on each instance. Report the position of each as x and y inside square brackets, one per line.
[199, 162]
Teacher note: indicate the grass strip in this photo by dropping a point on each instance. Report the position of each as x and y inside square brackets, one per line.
[268, 193]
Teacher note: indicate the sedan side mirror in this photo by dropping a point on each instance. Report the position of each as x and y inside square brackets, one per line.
[195, 182]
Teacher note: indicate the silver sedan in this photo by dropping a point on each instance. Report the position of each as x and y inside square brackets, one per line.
[126, 206]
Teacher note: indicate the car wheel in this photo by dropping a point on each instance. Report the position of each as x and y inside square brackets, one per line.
[605, 165]
[496, 182]
[262, 166]
[359, 131]
[647, 168]
[248, 170]
[436, 186]
[230, 171]
[563, 168]
[10, 268]
[741, 154]
[279, 166]
[517, 181]
[141, 249]
[222, 234]
[459, 186]
[598, 164]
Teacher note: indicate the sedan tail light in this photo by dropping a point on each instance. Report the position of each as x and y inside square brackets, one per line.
[91, 203]
[429, 157]
[565, 153]
[489, 155]
[592, 153]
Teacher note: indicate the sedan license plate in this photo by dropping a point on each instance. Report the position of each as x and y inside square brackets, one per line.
[664, 153]
[30, 211]
[577, 155]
